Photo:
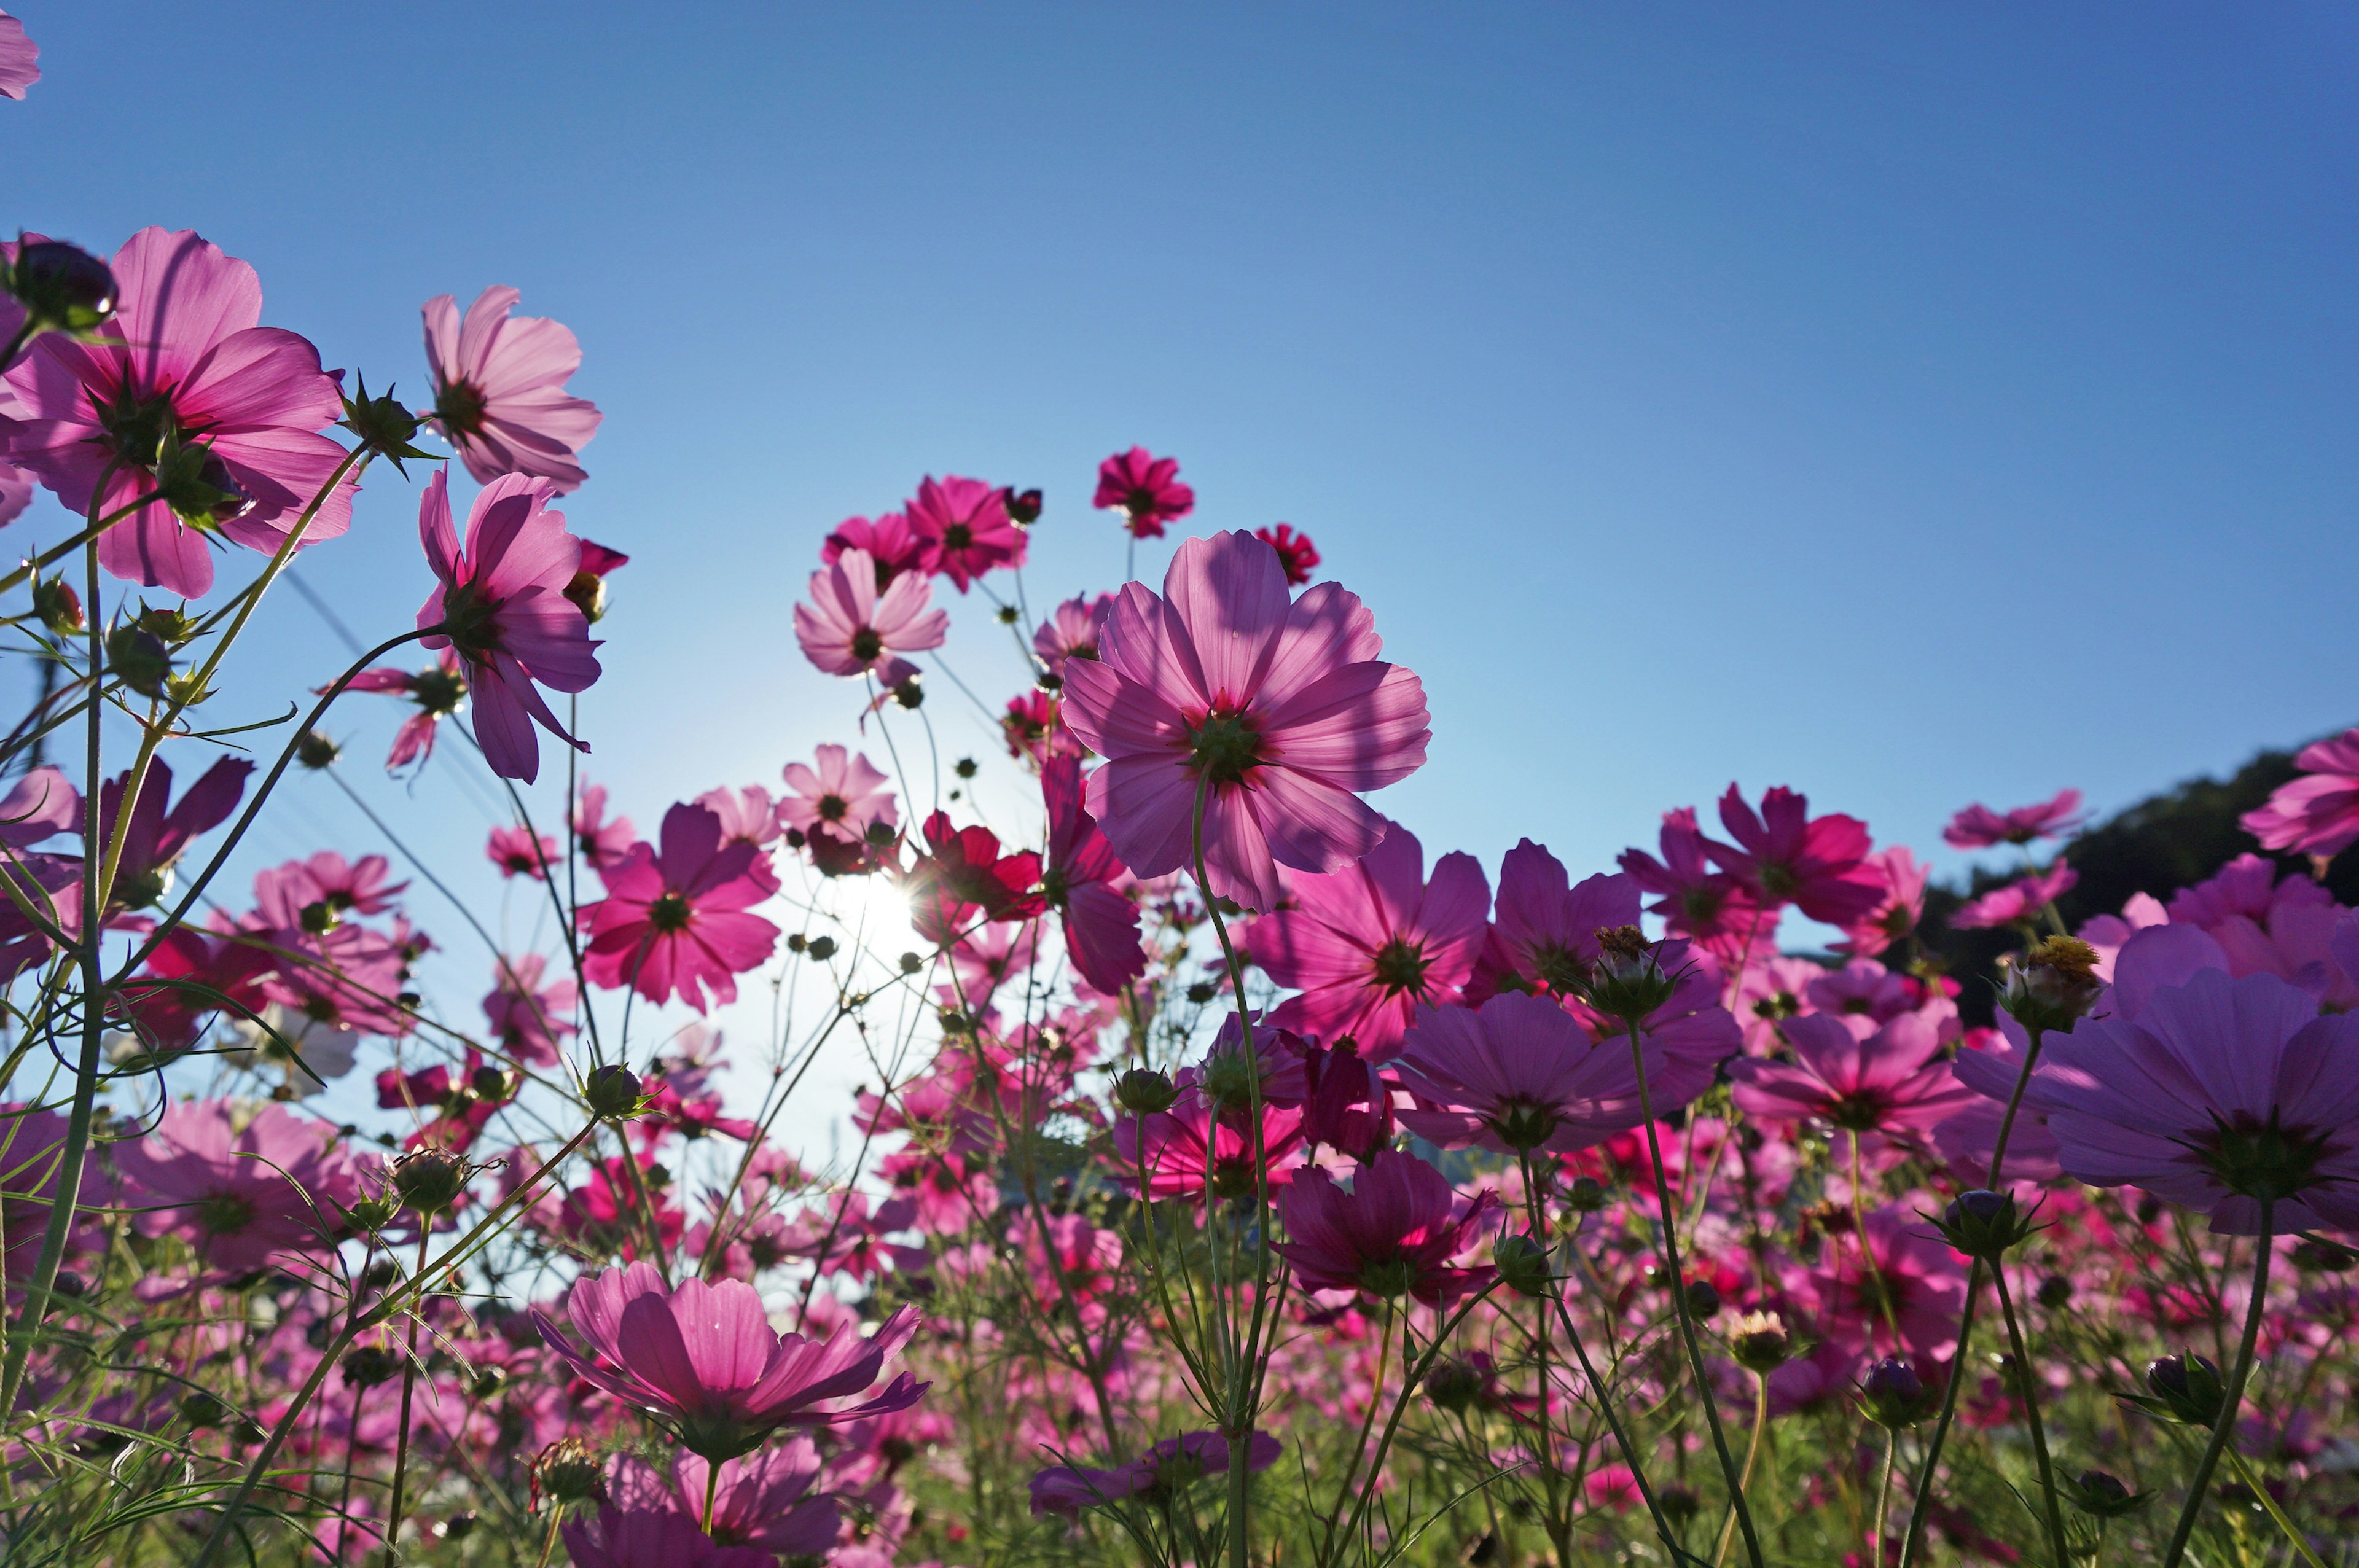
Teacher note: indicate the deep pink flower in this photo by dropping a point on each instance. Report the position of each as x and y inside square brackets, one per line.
[1518, 1074]
[1299, 556]
[1394, 1233]
[324, 889]
[674, 920]
[962, 877]
[518, 851]
[1145, 489]
[499, 390]
[704, 1359]
[527, 1017]
[2219, 1093]
[891, 545]
[1185, 1148]
[19, 58]
[1033, 728]
[182, 363]
[239, 1195]
[1173, 1462]
[963, 528]
[1917, 1276]
[648, 1538]
[502, 602]
[768, 1499]
[1547, 928]
[2021, 899]
[1369, 945]
[39, 805]
[1069, 633]
[156, 838]
[1280, 711]
[846, 795]
[604, 841]
[437, 692]
[850, 627]
[1897, 914]
[1785, 856]
[32, 1144]
[1895, 1081]
[1694, 901]
[1980, 827]
[2268, 924]
[2317, 814]
[1101, 925]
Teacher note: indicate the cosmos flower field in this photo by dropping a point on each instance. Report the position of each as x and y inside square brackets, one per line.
[1242, 1180]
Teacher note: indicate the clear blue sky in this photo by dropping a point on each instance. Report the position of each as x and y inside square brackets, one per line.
[1912, 403]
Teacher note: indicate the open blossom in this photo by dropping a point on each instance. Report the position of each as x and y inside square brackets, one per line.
[1069, 633]
[1712, 907]
[526, 1014]
[1518, 1074]
[1394, 1233]
[501, 605]
[18, 57]
[704, 1359]
[156, 838]
[239, 1190]
[962, 877]
[1277, 711]
[1917, 1279]
[1980, 827]
[1296, 551]
[1895, 914]
[603, 840]
[1371, 944]
[1101, 925]
[499, 390]
[769, 1499]
[1171, 1464]
[1784, 855]
[1145, 489]
[2020, 900]
[518, 851]
[1547, 928]
[1184, 1150]
[651, 1538]
[675, 919]
[182, 363]
[437, 692]
[2317, 814]
[963, 529]
[1893, 1081]
[2221, 1093]
[2266, 923]
[845, 795]
[852, 627]
[890, 544]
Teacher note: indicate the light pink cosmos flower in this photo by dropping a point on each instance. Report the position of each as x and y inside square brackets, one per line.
[891, 545]
[1145, 489]
[39, 805]
[1518, 1074]
[604, 840]
[1980, 827]
[2220, 1093]
[518, 851]
[240, 1193]
[850, 627]
[845, 795]
[1079, 881]
[2020, 900]
[19, 58]
[1902, 906]
[1368, 946]
[502, 602]
[747, 816]
[2317, 814]
[1787, 856]
[1069, 633]
[675, 920]
[1894, 1081]
[963, 529]
[1393, 1234]
[648, 1538]
[499, 390]
[1279, 710]
[437, 692]
[182, 361]
[704, 1359]
[2268, 924]
[526, 1016]
[1068, 1488]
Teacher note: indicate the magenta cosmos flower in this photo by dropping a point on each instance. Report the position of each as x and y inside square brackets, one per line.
[1784, 855]
[2220, 1093]
[526, 1016]
[1069, 633]
[19, 59]
[1145, 489]
[892, 545]
[1916, 1278]
[1694, 901]
[652, 1538]
[852, 627]
[1371, 944]
[2317, 814]
[1295, 551]
[1980, 827]
[1547, 928]
[1079, 881]
[499, 390]
[182, 363]
[502, 604]
[675, 920]
[1894, 1081]
[437, 692]
[2021, 899]
[1275, 711]
[963, 529]
[1518, 1074]
[1185, 1149]
[239, 1190]
[768, 1499]
[1393, 1234]
[1171, 1464]
[704, 1359]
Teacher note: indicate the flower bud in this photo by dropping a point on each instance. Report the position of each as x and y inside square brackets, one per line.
[823, 948]
[199, 486]
[909, 694]
[201, 1409]
[1894, 1395]
[1627, 982]
[1023, 507]
[2051, 986]
[62, 287]
[458, 1527]
[2184, 1389]
[1143, 1091]
[487, 1382]
[613, 1093]
[2054, 1291]
[369, 1365]
[1703, 1299]
[1678, 1504]
[568, 1471]
[911, 963]
[2317, 1256]
[140, 658]
[58, 605]
[1585, 1195]
[1523, 1264]
[1982, 1224]
[491, 1083]
[1760, 1342]
[1455, 1385]
[382, 425]
[371, 1214]
[2102, 1496]
[316, 752]
[429, 1180]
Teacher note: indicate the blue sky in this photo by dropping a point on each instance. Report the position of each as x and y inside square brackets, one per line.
[1912, 405]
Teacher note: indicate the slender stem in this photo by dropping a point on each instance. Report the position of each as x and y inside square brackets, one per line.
[409, 1383]
[1883, 1292]
[2031, 1411]
[2224, 1427]
[2269, 1504]
[1884, 1497]
[548, 1541]
[1752, 1454]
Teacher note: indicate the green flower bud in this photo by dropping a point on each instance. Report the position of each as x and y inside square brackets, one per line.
[140, 658]
[2053, 985]
[369, 1365]
[1893, 1394]
[2102, 1496]
[429, 1180]
[1523, 1264]
[316, 752]
[2184, 1389]
[1143, 1091]
[568, 1471]
[613, 1093]
[1982, 1224]
[62, 287]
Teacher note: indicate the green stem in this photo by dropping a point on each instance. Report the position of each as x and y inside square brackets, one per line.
[409, 1383]
[2030, 1397]
[2224, 1427]
[1752, 1454]
[2269, 1504]
[1883, 1496]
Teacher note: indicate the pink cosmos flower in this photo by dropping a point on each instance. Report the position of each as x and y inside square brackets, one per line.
[1712, 907]
[891, 545]
[1370, 944]
[1393, 1234]
[1980, 827]
[1145, 489]
[239, 1195]
[155, 838]
[40, 805]
[1547, 928]
[962, 877]
[502, 603]
[604, 841]
[2268, 924]
[674, 920]
[963, 528]
[18, 57]
[32, 1144]
[1173, 1462]
[2021, 899]
[1069, 633]
[1279, 711]
[747, 816]
[1894, 1081]
[437, 692]
[2220, 1093]
[1101, 925]
[1916, 1273]
[1785, 856]
[846, 795]
[2317, 814]
[182, 363]
[850, 627]
[325, 888]
[1988, 1063]
[518, 851]
[499, 390]
[1185, 1149]
[527, 1017]
[768, 1499]
[1033, 728]
[1895, 914]
[704, 1359]
[1296, 551]
[1517, 1074]
[647, 1538]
